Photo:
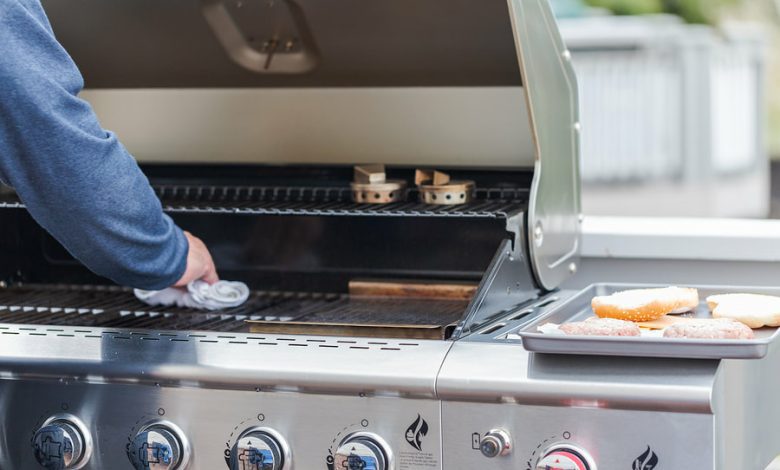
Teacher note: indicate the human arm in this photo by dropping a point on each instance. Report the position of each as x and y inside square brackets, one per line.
[76, 179]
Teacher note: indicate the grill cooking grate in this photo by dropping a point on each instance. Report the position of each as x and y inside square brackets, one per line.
[329, 201]
[114, 307]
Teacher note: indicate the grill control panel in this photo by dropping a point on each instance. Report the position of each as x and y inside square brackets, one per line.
[149, 427]
[126, 426]
[573, 438]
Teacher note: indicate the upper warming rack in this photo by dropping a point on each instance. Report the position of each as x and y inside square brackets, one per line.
[317, 201]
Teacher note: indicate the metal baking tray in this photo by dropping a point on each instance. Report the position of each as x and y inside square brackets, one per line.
[577, 308]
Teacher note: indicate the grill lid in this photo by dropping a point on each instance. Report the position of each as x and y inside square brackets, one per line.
[440, 83]
[301, 43]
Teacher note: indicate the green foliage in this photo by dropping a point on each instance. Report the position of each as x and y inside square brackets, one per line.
[692, 11]
[629, 7]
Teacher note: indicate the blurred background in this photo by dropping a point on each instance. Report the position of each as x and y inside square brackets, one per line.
[680, 105]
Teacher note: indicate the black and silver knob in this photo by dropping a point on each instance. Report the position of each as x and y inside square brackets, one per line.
[63, 442]
[159, 446]
[496, 442]
[260, 449]
[363, 451]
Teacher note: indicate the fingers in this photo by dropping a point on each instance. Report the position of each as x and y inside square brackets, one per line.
[211, 275]
[209, 269]
[200, 265]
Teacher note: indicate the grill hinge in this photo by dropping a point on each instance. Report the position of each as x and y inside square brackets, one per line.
[507, 284]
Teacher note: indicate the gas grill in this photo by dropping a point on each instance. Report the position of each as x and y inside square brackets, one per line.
[380, 334]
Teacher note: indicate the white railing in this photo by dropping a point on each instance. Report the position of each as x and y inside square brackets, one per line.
[664, 100]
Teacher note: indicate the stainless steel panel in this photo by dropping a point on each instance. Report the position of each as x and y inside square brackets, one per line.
[578, 308]
[223, 360]
[475, 371]
[484, 127]
[615, 439]
[746, 412]
[506, 285]
[551, 88]
[211, 420]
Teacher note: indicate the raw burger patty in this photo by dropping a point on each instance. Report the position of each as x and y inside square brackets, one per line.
[601, 327]
[718, 328]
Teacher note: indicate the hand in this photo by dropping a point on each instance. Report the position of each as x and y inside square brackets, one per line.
[199, 263]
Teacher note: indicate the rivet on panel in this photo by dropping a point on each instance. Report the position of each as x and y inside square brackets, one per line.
[538, 234]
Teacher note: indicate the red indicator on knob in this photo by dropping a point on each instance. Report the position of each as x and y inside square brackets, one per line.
[565, 457]
[564, 460]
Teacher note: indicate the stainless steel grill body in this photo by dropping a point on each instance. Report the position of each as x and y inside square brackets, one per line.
[314, 390]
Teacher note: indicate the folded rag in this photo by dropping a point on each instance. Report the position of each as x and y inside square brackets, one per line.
[198, 294]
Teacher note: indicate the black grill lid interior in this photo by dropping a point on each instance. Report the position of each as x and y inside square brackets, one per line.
[340, 43]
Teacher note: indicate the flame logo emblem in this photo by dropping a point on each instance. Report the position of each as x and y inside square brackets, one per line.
[416, 432]
[647, 461]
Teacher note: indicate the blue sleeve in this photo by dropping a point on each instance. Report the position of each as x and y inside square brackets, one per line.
[76, 179]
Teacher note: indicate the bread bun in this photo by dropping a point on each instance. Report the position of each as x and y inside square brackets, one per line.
[754, 310]
[640, 305]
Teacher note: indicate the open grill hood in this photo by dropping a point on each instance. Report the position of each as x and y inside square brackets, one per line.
[468, 83]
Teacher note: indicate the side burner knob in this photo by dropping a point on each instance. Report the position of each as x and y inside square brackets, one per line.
[565, 457]
[495, 443]
[159, 446]
[363, 451]
[260, 449]
[63, 442]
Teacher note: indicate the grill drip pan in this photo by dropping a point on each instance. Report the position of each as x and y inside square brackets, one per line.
[577, 308]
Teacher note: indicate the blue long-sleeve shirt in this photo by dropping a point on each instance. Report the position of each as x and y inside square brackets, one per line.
[76, 179]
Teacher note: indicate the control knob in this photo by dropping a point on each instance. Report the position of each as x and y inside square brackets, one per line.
[260, 449]
[495, 443]
[363, 451]
[565, 457]
[159, 446]
[63, 442]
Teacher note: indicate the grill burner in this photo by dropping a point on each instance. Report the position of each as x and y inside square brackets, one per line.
[114, 307]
